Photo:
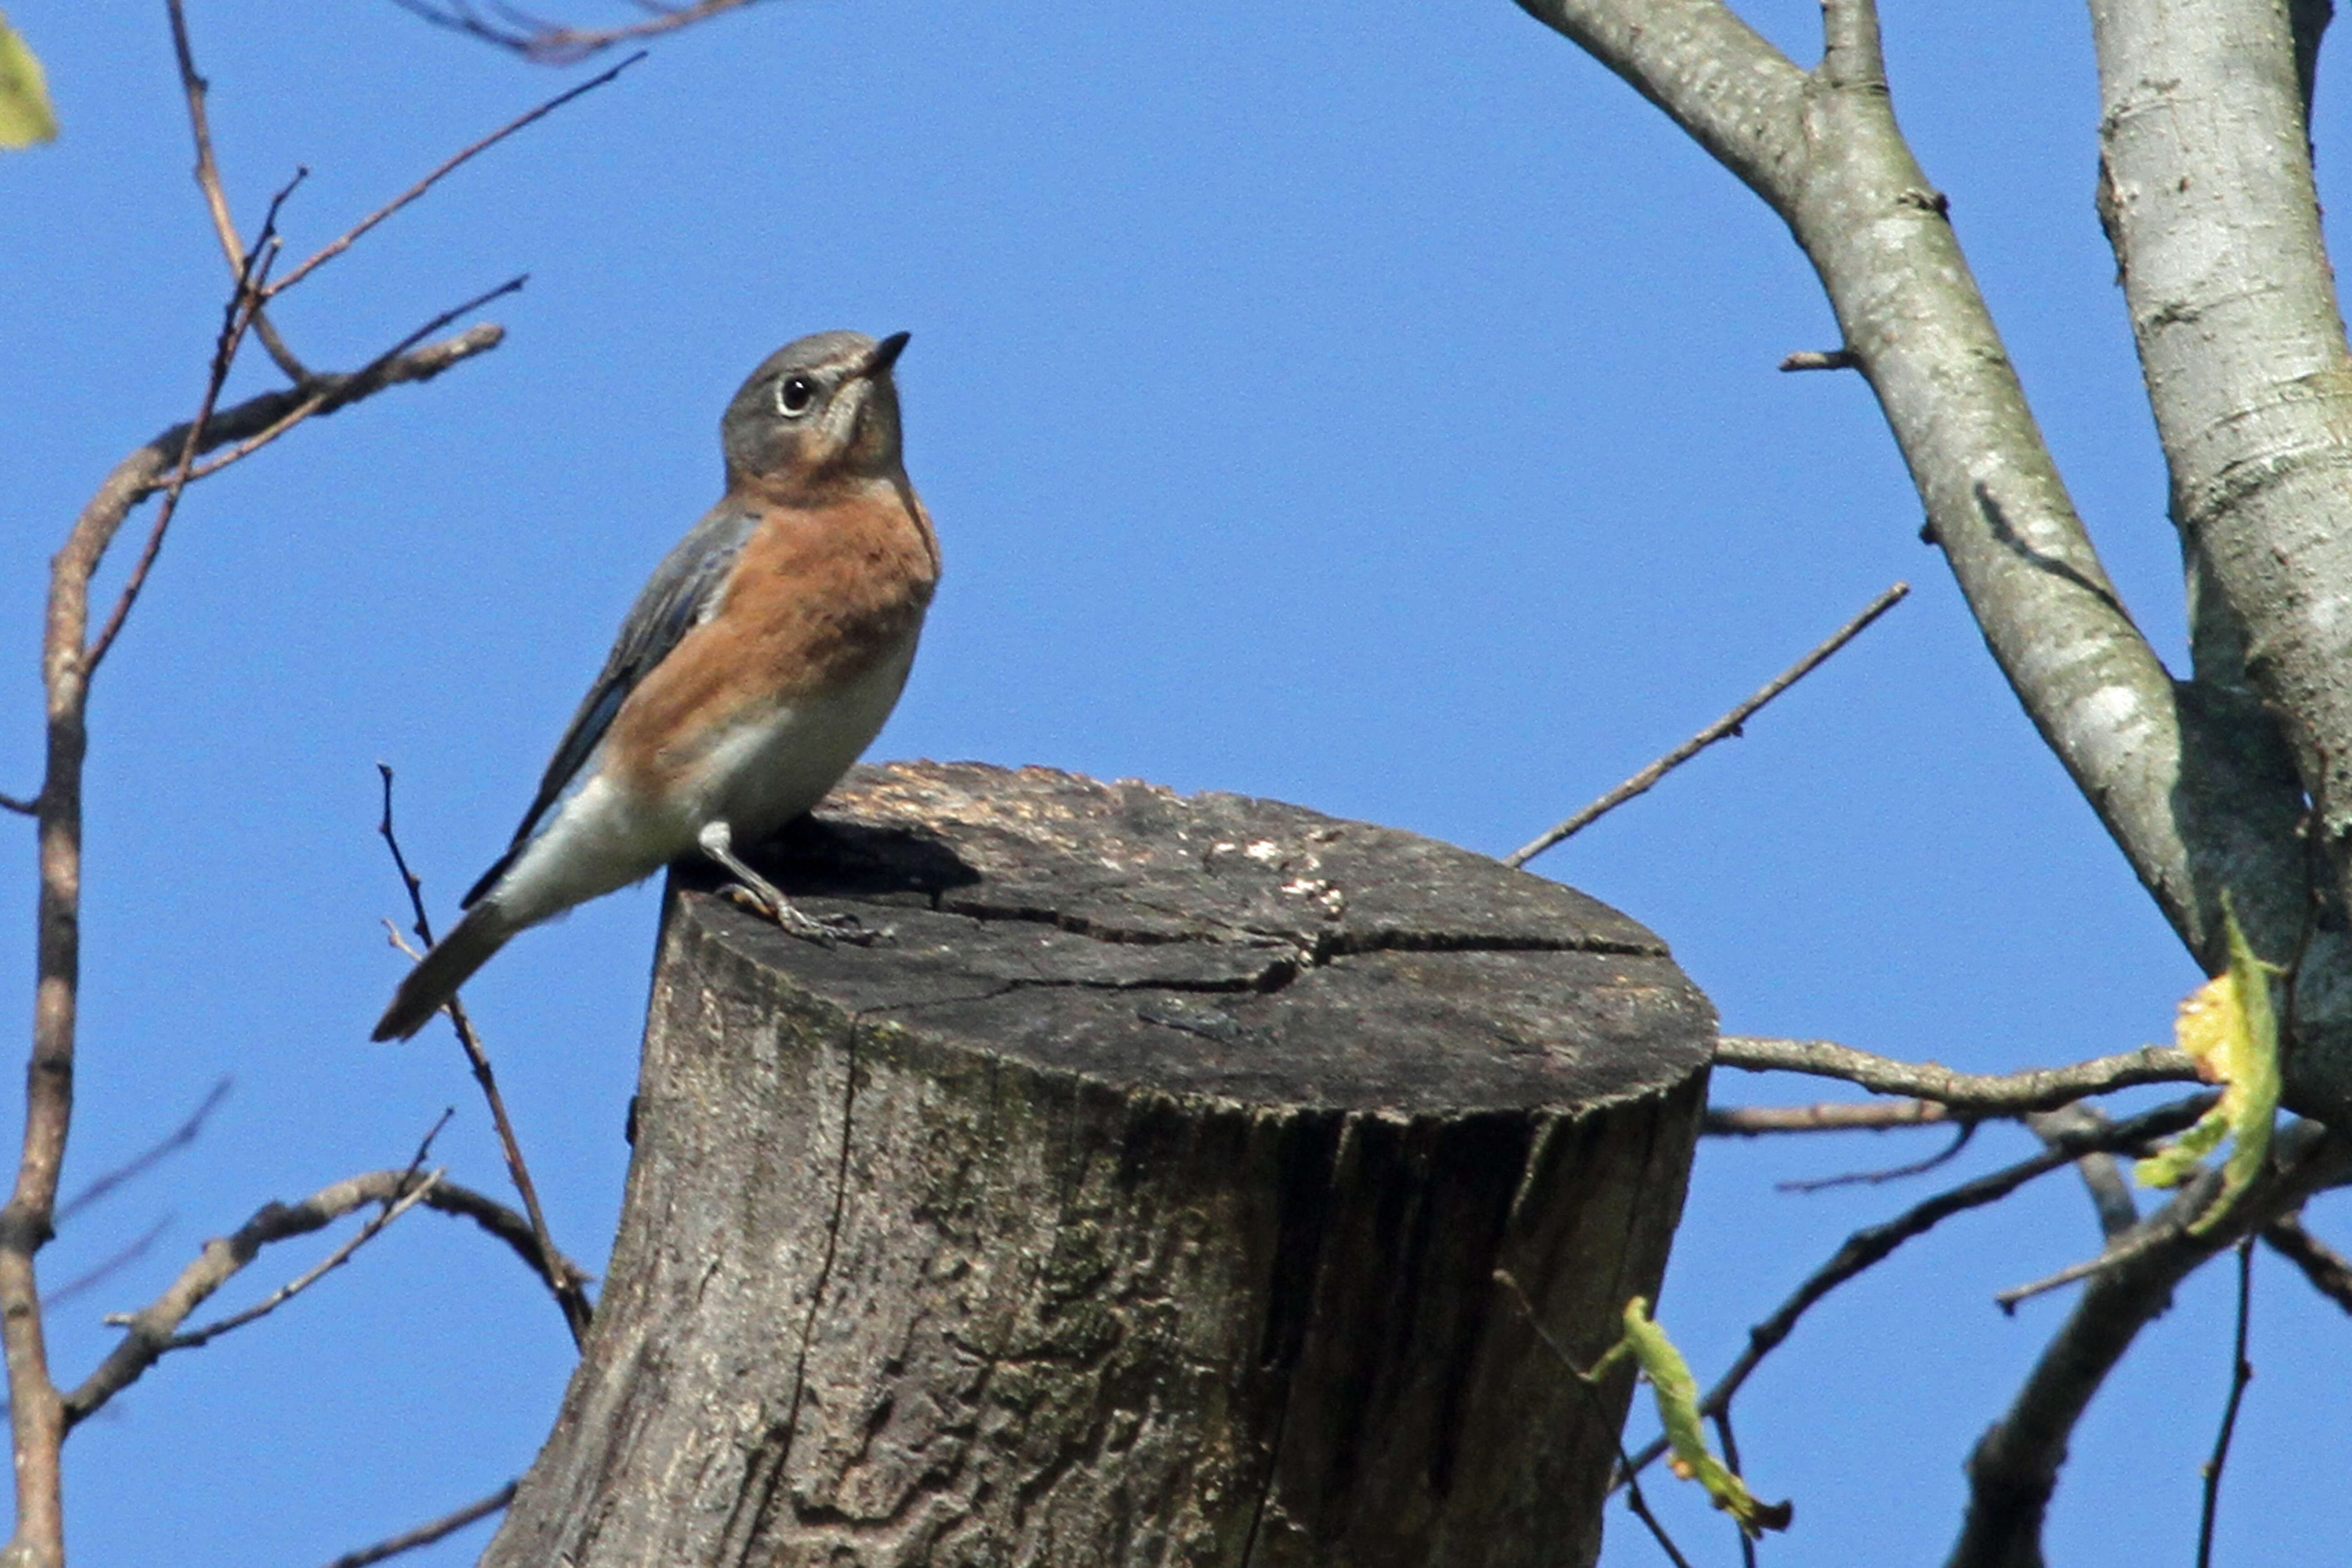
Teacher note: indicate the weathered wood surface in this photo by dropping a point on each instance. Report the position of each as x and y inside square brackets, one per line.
[1137, 1201]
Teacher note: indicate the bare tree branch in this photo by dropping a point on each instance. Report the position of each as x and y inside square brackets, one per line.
[1963, 1132]
[2014, 1468]
[1969, 1094]
[2241, 1373]
[1867, 1246]
[1837, 1116]
[426, 1534]
[2110, 1190]
[236, 320]
[2166, 1224]
[2329, 1271]
[321, 392]
[567, 1283]
[36, 1409]
[2203, 147]
[193, 88]
[549, 43]
[351, 235]
[2181, 777]
[155, 1331]
[1722, 728]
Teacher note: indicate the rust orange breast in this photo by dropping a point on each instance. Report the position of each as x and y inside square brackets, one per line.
[820, 595]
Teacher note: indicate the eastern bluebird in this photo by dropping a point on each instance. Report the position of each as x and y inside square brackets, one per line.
[758, 663]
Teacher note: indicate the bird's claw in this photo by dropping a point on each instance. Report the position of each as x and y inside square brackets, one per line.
[826, 930]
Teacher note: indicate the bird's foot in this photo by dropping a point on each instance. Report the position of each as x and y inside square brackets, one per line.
[826, 930]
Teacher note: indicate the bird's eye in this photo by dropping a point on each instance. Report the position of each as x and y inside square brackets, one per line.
[795, 396]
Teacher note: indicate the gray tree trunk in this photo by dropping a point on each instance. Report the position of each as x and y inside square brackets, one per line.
[1138, 1200]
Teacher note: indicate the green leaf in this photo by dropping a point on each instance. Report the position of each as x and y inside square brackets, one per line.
[2229, 1026]
[1677, 1393]
[26, 117]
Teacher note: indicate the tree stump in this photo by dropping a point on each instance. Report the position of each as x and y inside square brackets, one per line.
[1138, 1200]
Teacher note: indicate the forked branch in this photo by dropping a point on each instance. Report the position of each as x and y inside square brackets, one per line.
[154, 1331]
[1963, 1093]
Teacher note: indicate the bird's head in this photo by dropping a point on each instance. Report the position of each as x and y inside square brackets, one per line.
[820, 410]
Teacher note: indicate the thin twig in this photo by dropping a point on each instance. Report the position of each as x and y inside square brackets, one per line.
[551, 45]
[36, 1409]
[568, 1285]
[1727, 725]
[1731, 1462]
[2013, 1469]
[170, 1144]
[2012, 1094]
[151, 1330]
[322, 391]
[83, 1284]
[2103, 1178]
[419, 1188]
[1822, 359]
[2329, 1271]
[39, 1415]
[21, 807]
[412, 1191]
[1835, 1116]
[194, 87]
[1633, 1498]
[243, 303]
[350, 236]
[426, 1534]
[1867, 1246]
[2148, 1234]
[1961, 1135]
[2241, 1373]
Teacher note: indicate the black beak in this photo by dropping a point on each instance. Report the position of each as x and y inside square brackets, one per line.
[886, 354]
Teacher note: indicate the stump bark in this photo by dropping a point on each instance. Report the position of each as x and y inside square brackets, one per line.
[1138, 1200]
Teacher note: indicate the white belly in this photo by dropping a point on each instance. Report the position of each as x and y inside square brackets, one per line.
[772, 767]
[767, 770]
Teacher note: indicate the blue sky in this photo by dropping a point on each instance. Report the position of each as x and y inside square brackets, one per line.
[1368, 406]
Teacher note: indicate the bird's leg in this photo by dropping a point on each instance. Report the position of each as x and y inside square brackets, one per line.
[756, 893]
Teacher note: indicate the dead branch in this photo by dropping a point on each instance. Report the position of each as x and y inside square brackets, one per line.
[2110, 1189]
[2013, 1469]
[2012, 1094]
[2164, 1226]
[550, 44]
[351, 235]
[2241, 1373]
[1963, 1134]
[566, 1281]
[1869, 1245]
[1821, 359]
[2329, 1271]
[427, 1533]
[320, 393]
[1837, 1116]
[155, 1331]
[1723, 727]
[236, 322]
[193, 88]
[37, 1411]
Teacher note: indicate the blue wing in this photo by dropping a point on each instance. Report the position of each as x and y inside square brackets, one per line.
[682, 595]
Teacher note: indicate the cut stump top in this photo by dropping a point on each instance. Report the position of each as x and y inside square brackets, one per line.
[1217, 945]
